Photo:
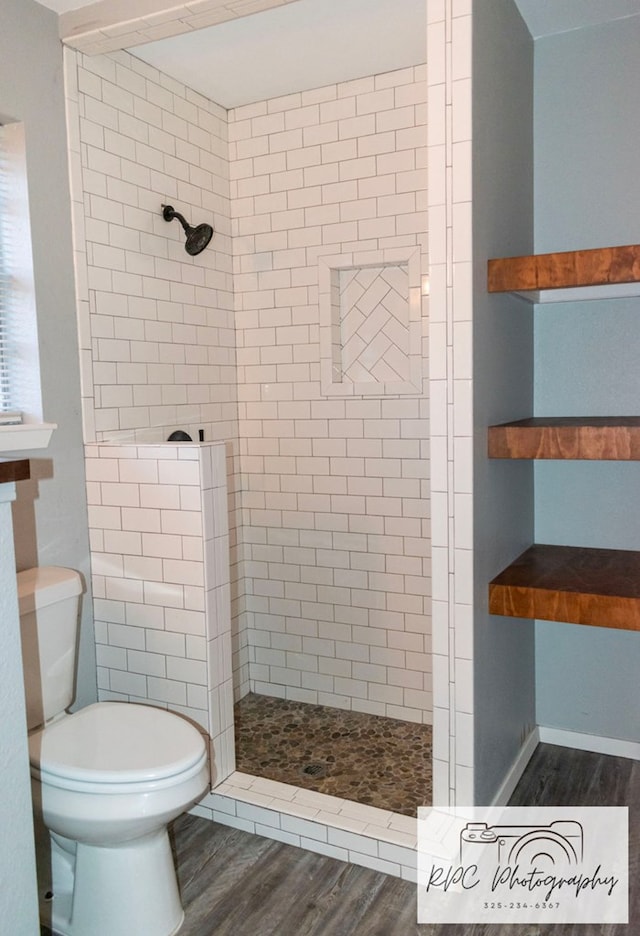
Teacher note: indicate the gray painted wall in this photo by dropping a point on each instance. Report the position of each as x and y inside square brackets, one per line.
[503, 380]
[50, 514]
[50, 519]
[587, 185]
[18, 893]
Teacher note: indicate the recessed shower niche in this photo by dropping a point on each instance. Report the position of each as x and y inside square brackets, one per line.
[371, 324]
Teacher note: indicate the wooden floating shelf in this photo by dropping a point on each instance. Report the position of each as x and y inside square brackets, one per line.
[602, 438]
[599, 587]
[604, 272]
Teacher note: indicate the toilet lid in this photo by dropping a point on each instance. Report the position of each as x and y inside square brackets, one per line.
[115, 742]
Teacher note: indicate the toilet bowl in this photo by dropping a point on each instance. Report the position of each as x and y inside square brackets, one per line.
[106, 780]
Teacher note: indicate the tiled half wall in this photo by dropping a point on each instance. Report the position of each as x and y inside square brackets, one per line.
[160, 568]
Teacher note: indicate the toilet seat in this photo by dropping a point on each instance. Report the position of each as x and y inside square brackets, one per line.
[116, 747]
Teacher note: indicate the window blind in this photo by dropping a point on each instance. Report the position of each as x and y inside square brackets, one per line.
[5, 286]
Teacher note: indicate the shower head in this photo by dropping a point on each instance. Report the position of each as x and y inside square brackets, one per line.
[197, 237]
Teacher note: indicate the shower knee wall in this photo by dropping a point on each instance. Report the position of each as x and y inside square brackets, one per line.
[158, 521]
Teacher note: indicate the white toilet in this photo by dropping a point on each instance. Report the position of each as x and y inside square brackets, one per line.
[105, 780]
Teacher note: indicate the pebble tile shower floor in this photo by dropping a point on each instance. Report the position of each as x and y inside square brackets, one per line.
[383, 762]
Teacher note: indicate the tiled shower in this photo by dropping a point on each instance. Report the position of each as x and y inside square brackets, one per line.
[264, 342]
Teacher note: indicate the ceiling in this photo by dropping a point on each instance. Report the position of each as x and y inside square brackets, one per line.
[548, 17]
[310, 43]
[303, 45]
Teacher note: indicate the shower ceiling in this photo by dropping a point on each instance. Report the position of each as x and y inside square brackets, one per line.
[297, 47]
[309, 43]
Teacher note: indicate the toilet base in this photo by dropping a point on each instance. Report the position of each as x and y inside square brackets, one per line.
[115, 891]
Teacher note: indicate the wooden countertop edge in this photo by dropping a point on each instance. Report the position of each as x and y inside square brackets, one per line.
[17, 469]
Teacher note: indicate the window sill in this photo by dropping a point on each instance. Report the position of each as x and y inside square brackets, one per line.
[26, 437]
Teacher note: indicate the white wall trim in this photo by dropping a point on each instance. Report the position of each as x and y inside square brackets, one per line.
[516, 770]
[617, 747]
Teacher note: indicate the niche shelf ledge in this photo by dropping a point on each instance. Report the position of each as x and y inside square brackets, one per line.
[577, 585]
[602, 438]
[600, 273]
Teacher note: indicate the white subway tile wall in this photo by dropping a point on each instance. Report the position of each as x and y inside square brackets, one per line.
[158, 524]
[450, 194]
[156, 325]
[336, 521]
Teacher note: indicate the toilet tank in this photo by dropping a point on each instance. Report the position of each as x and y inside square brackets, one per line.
[48, 600]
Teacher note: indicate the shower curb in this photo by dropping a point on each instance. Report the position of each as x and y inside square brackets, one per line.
[352, 832]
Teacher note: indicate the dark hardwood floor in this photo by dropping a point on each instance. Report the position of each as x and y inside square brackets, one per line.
[237, 884]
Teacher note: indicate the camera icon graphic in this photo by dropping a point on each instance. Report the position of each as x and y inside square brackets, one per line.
[560, 843]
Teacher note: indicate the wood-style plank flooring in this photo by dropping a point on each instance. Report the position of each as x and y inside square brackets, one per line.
[237, 884]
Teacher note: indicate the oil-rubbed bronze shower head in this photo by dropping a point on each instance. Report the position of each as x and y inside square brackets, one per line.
[197, 237]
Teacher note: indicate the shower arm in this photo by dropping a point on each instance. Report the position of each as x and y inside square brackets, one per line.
[169, 213]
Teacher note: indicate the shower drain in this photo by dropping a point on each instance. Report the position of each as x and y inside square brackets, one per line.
[314, 770]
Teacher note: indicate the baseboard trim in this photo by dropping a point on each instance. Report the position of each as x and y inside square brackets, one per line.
[516, 770]
[588, 742]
